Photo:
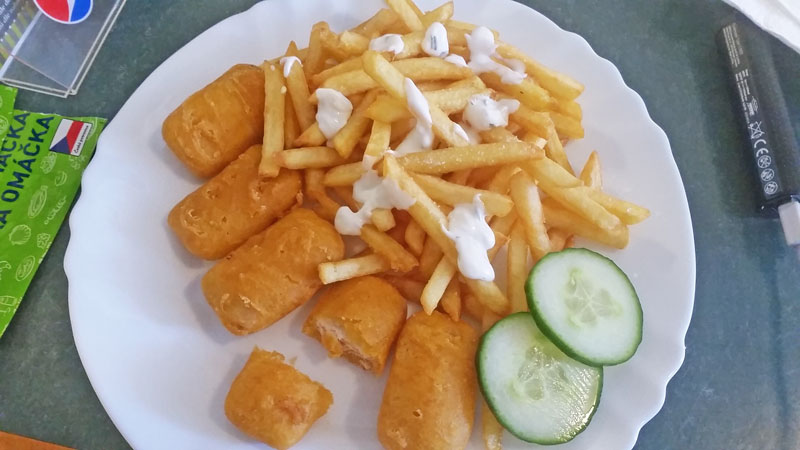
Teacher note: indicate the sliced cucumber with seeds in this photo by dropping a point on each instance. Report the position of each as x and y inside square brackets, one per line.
[586, 305]
[535, 391]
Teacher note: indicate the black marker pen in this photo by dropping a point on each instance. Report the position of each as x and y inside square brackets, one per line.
[772, 144]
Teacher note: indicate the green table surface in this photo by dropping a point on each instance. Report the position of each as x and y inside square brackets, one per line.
[739, 387]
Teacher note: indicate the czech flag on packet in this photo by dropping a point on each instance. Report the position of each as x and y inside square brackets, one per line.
[65, 11]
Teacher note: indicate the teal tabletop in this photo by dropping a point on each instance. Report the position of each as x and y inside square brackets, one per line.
[739, 387]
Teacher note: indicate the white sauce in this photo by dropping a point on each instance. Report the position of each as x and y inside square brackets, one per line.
[287, 62]
[459, 130]
[483, 113]
[435, 41]
[473, 237]
[467, 132]
[333, 110]
[417, 140]
[368, 161]
[456, 59]
[421, 136]
[482, 49]
[373, 192]
[387, 43]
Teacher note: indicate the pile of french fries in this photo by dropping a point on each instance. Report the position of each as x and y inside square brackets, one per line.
[534, 200]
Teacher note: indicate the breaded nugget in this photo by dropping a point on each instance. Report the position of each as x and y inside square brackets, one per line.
[358, 319]
[217, 123]
[272, 273]
[234, 205]
[429, 400]
[273, 402]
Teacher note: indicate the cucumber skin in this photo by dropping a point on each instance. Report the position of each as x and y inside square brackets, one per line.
[501, 419]
[554, 337]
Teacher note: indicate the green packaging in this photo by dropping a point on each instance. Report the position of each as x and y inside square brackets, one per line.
[42, 157]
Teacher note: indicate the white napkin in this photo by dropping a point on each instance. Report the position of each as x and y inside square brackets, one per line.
[779, 17]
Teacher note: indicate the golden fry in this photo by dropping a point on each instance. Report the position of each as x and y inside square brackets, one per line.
[407, 13]
[331, 272]
[559, 217]
[453, 194]
[344, 175]
[383, 219]
[274, 109]
[591, 175]
[469, 157]
[315, 59]
[441, 14]
[346, 139]
[437, 284]
[400, 260]
[308, 158]
[566, 126]
[527, 92]
[529, 208]
[377, 24]
[517, 269]
[451, 299]
[415, 237]
[558, 84]
[310, 137]
[429, 257]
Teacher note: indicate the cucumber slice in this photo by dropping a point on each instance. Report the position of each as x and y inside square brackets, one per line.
[535, 391]
[586, 305]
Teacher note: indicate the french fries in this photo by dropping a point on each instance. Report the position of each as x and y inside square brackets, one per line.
[559, 217]
[379, 140]
[274, 110]
[308, 158]
[437, 284]
[432, 220]
[399, 259]
[415, 238]
[297, 86]
[591, 175]
[558, 84]
[517, 268]
[408, 12]
[331, 272]
[346, 139]
[440, 14]
[452, 194]
[469, 157]
[451, 299]
[392, 78]
[383, 219]
[529, 207]
[315, 58]
[377, 24]
[403, 210]
[344, 175]
[418, 69]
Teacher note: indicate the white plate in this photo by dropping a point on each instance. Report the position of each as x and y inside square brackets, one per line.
[156, 354]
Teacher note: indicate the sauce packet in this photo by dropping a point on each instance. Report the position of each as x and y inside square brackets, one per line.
[42, 157]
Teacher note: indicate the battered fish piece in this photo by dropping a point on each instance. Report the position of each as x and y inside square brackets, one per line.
[359, 319]
[273, 402]
[234, 205]
[429, 400]
[272, 273]
[217, 123]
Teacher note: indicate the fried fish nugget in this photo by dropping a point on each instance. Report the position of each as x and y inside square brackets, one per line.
[272, 273]
[234, 205]
[273, 402]
[429, 400]
[359, 319]
[217, 123]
